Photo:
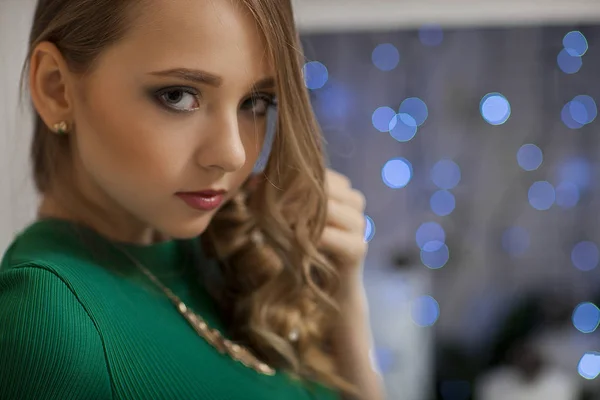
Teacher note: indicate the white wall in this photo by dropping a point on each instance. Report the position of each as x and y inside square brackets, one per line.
[17, 198]
[343, 15]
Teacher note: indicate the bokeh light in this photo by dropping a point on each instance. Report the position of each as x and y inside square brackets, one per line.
[384, 359]
[583, 109]
[585, 256]
[425, 311]
[397, 173]
[383, 118]
[567, 118]
[575, 43]
[567, 195]
[576, 170]
[369, 228]
[315, 75]
[403, 127]
[568, 63]
[333, 102]
[541, 195]
[430, 236]
[442, 203]
[431, 35]
[515, 240]
[580, 111]
[446, 174]
[589, 365]
[530, 157]
[586, 317]
[416, 108]
[435, 259]
[385, 57]
[495, 108]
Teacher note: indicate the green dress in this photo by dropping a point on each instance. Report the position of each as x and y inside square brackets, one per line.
[79, 321]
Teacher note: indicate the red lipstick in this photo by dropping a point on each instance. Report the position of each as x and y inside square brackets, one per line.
[205, 200]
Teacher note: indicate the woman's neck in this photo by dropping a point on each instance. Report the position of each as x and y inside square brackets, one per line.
[116, 228]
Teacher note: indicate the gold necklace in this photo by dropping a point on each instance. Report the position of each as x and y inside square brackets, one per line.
[212, 336]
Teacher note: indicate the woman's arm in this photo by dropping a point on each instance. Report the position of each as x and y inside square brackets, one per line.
[352, 344]
[343, 241]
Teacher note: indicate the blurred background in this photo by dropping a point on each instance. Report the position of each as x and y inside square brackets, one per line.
[471, 127]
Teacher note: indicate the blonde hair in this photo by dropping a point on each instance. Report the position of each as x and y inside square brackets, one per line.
[284, 283]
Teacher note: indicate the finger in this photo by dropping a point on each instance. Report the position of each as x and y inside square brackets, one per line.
[336, 184]
[334, 178]
[343, 245]
[345, 217]
[352, 198]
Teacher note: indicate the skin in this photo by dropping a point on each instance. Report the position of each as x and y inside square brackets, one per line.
[131, 155]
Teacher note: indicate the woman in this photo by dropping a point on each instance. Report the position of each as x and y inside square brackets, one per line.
[169, 259]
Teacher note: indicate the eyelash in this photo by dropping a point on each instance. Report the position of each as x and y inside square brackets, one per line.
[269, 99]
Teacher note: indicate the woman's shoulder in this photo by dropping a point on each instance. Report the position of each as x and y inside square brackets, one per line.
[40, 243]
[49, 343]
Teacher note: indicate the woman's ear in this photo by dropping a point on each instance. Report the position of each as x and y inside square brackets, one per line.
[49, 80]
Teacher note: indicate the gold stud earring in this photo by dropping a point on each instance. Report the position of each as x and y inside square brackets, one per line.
[61, 128]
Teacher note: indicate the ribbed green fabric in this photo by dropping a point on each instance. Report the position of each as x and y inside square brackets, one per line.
[79, 321]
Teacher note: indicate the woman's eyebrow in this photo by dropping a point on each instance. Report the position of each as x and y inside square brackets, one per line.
[207, 78]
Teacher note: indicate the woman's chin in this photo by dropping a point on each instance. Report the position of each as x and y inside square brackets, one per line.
[187, 229]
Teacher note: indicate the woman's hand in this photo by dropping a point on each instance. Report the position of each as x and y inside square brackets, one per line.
[343, 237]
[343, 241]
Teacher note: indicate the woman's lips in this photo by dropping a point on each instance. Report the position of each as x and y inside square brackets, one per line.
[205, 200]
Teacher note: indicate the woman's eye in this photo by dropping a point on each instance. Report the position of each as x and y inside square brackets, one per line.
[259, 104]
[177, 99]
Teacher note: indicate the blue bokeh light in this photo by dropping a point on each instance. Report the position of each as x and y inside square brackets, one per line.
[382, 118]
[586, 317]
[384, 359]
[416, 108]
[568, 63]
[425, 311]
[583, 109]
[431, 35]
[576, 170]
[435, 259]
[585, 256]
[575, 43]
[430, 236]
[515, 240]
[442, 203]
[580, 111]
[397, 173]
[567, 118]
[589, 365]
[369, 228]
[333, 102]
[385, 57]
[446, 174]
[541, 195]
[530, 157]
[495, 108]
[567, 195]
[403, 127]
[315, 75]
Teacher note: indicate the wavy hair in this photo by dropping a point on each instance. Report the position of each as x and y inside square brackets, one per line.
[271, 286]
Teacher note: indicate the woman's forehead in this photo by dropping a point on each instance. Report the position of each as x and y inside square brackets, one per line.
[220, 37]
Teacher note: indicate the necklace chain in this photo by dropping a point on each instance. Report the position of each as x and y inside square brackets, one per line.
[212, 336]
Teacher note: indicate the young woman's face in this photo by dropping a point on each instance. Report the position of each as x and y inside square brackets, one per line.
[171, 110]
